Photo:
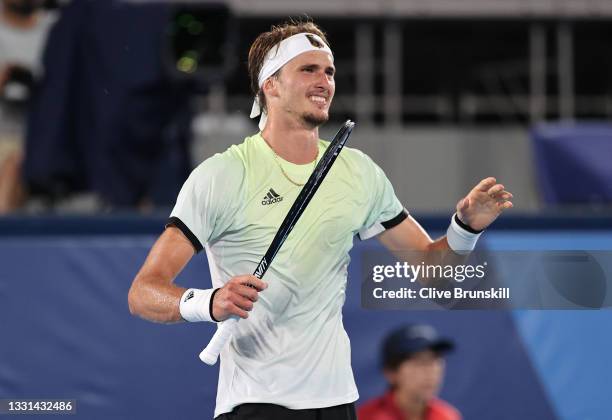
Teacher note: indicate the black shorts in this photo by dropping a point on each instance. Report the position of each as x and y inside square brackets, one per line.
[277, 412]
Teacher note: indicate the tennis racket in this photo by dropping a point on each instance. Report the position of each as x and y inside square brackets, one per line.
[210, 354]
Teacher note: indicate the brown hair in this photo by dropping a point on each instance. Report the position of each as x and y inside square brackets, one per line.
[265, 41]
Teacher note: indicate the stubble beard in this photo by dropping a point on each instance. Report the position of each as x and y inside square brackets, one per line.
[314, 121]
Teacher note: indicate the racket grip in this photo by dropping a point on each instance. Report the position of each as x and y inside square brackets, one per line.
[225, 331]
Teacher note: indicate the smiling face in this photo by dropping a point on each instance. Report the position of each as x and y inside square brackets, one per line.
[303, 90]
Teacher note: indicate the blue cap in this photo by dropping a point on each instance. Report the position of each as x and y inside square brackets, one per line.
[403, 342]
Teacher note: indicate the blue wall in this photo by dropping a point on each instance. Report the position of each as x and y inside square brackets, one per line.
[65, 332]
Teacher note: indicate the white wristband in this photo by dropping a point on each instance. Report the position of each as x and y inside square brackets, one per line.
[195, 305]
[460, 240]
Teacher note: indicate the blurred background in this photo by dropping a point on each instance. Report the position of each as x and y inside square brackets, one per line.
[106, 106]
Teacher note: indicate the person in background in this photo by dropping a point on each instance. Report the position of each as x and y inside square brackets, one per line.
[413, 364]
[107, 127]
[24, 27]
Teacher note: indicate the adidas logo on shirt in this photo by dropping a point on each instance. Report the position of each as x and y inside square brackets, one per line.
[271, 198]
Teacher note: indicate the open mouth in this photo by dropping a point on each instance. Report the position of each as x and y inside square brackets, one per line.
[319, 100]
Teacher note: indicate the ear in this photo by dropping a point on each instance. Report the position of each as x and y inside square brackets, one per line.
[270, 87]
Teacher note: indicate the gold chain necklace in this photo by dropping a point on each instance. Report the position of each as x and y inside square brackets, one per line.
[297, 184]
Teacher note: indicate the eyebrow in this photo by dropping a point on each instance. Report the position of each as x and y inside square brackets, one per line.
[316, 66]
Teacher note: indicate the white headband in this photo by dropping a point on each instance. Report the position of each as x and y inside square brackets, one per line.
[281, 54]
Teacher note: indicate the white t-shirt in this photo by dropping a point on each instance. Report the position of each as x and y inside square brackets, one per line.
[292, 350]
[24, 47]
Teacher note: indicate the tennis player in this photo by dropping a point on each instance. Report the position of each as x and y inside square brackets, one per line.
[290, 359]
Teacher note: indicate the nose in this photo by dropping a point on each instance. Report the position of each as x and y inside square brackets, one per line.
[325, 81]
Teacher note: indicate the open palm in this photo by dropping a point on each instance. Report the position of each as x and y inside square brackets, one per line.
[483, 204]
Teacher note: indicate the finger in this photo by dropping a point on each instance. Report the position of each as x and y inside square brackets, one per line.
[224, 307]
[504, 196]
[256, 283]
[485, 184]
[244, 290]
[463, 204]
[235, 310]
[505, 205]
[248, 292]
[494, 190]
[251, 280]
[242, 302]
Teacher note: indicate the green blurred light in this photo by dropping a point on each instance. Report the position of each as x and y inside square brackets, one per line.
[193, 54]
[184, 20]
[187, 65]
[195, 27]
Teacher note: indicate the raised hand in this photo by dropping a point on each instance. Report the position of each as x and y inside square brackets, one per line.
[483, 204]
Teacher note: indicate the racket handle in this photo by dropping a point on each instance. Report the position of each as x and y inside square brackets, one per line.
[225, 331]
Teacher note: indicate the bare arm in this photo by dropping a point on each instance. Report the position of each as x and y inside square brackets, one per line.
[410, 236]
[409, 242]
[155, 297]
[153, 294]
[483, 204]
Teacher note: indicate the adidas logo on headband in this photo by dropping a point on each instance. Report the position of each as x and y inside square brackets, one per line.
[314, 41]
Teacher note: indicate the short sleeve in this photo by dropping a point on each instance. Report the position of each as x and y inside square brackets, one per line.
[385, 209]
[208, 200]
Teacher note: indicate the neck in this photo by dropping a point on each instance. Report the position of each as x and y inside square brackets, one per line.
[292, 141]
[413, 408]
